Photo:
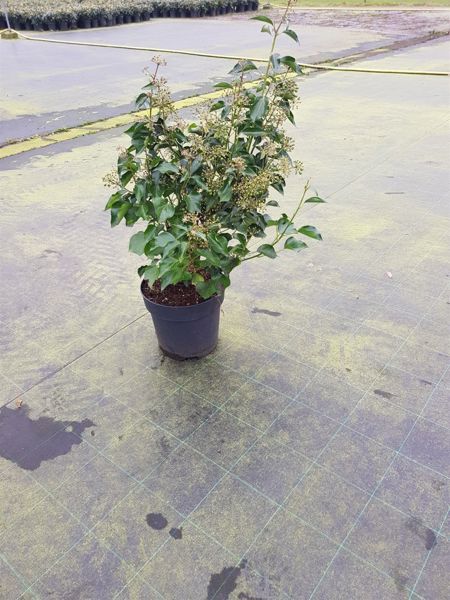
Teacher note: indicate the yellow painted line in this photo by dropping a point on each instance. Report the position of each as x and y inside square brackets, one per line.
[67, 134]
[25, 146]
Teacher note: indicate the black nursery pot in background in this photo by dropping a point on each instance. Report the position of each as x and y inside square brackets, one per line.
[186, 331]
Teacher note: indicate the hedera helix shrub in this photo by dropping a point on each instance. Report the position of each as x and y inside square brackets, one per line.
[202, 189]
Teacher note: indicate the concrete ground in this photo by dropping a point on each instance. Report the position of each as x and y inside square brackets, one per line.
[308, 457]
[47, 86]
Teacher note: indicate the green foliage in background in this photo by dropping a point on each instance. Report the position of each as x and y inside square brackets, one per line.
[63, 14]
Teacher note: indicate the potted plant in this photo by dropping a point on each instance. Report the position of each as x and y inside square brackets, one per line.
[202, 191]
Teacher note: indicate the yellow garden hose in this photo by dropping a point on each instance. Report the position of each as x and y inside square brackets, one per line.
[226, 57]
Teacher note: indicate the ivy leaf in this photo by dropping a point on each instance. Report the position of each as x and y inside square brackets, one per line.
[310, 231]
[197, 278]
[206, 289]
[272, 203]
[193, 202]
[259, 108]
[243, 67]
[223, 85]
[254, 131]
[167, 167]
[217, 105]
[292, 35]
[164, 238]
[114, 199]
[293, 244]
[118, 213]
[138, 242]
[151, 274]
[291, 64]
[315, 199]
[142, 100]
[195, 165]
[262, 18]
[267, 250]
[164, 212]
[225, 192]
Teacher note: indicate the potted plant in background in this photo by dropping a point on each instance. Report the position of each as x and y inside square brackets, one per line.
[202, 190]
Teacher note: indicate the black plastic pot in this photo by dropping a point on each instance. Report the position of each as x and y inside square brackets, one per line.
[186, 331]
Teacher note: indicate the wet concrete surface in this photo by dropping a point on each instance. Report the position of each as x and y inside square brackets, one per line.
[308, 456]
[47, 86]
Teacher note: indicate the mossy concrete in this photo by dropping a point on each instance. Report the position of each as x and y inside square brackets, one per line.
[307, 457]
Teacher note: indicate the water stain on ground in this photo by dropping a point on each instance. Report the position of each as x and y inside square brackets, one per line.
[21, 438]
[222, 584]
[263, 311]
[384, 394]
[426, 534]
[156, 521]
[176, 533]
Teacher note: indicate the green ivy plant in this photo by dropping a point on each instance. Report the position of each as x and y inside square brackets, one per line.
[203, 188]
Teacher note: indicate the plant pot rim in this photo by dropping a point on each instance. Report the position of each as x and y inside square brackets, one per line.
[182, 306]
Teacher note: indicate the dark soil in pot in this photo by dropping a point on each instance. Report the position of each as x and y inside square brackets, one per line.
[187, 326]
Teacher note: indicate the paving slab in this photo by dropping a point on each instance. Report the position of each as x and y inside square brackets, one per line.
[126, 474]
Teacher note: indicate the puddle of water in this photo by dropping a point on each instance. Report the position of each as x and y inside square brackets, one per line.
[21, 438]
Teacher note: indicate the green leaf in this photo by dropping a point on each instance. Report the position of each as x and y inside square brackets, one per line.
[118, 213]
[164, 212]
[291, 64]
[151, 274]
[140, 190]
[197, 278]
[164, 238]
[315, 199]
[243, 67]
[293, 244]
[167, 167]
[138, 242]
[225, 192]
[217, 105]
[212, 258]
[266, 29]
[193, 202]
[142, 100]
[292, 35]
[267, 250]
[310, 231]
[254, 131]
[206, 289]
[263, 19]
[259, 109]
[114, 199]
[272, 203]
[284, 226]
[223, 85]
[195, 165]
